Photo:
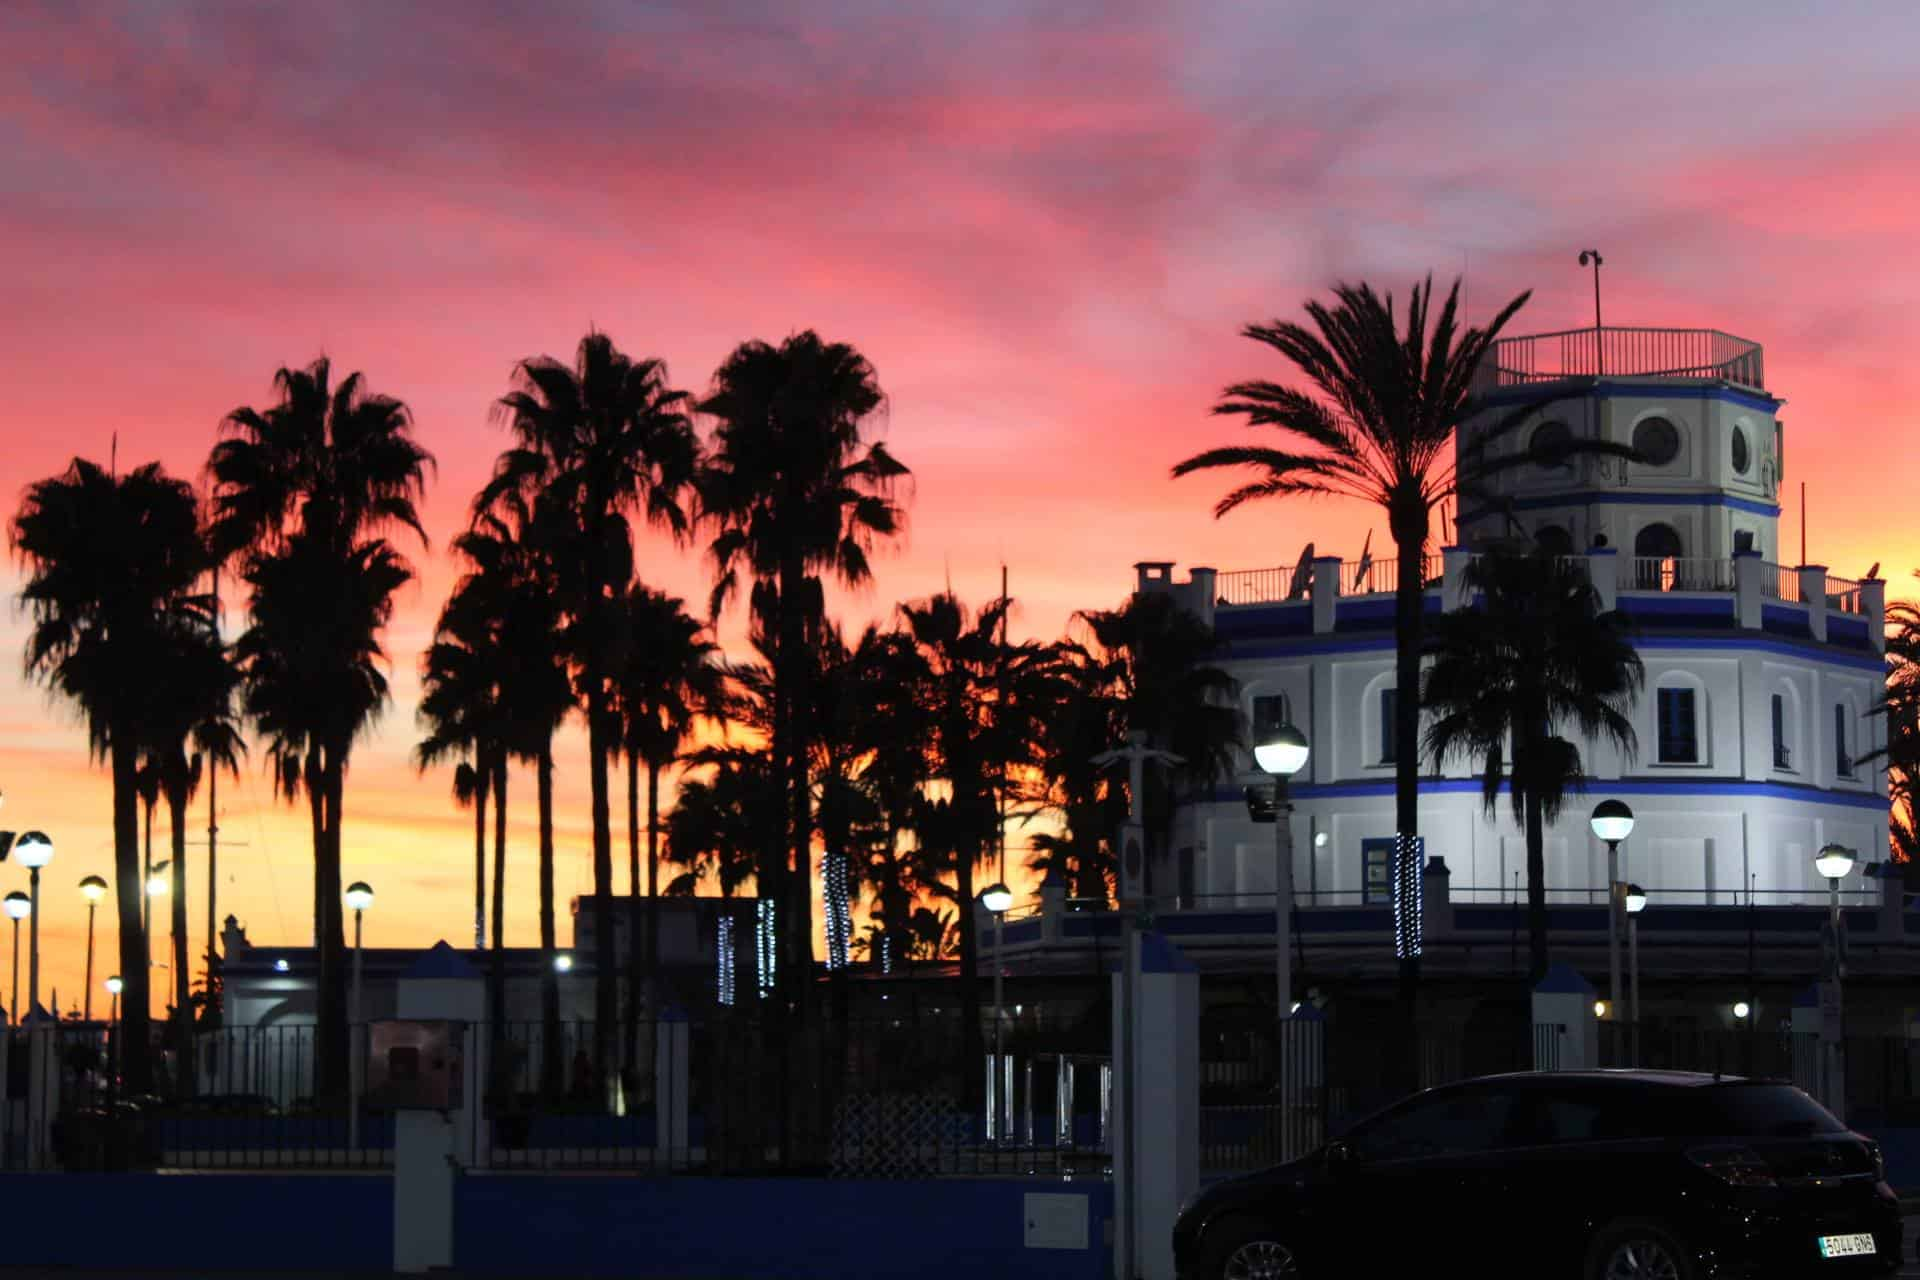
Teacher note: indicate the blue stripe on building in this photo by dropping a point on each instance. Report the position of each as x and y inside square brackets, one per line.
[1653, 390]
[1249, 648]
[1680, 787]
[1637, 498]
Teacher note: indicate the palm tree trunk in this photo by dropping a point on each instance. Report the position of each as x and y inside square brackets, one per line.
[1409, 527]
[606, 1012]
[1536, 892]
[332, 1034]
[630, 1024]
[482, 784]
[653, 872]
[495, 763]
[130, 892]
[182, 1008]
[973, 1049]
[549, 978]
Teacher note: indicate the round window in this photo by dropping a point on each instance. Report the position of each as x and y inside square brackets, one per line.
[1549, 444]
[1657, 441]
[1742, 457]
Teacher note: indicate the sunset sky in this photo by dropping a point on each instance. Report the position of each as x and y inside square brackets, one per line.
[1043, 223]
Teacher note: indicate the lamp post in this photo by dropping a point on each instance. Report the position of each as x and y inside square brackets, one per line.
[93, 888]
[359, 896]
[33, 852]
[113, 1029]
[1612, 822]
[996, 898]
[113, 985]
[19, 907]
[1281, 754]
[1635, 900]
[1599, 361]
[1835, 862]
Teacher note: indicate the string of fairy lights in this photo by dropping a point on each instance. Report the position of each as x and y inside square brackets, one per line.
[833, 873]
[1409, 926]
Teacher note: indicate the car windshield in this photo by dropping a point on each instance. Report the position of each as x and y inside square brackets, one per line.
[1763, 1111]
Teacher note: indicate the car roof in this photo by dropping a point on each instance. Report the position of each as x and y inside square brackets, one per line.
[1620, 1075]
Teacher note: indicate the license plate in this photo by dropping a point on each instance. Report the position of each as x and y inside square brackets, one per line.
[1858, 1244]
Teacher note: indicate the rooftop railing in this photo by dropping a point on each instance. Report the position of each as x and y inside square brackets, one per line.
[1259, 586]
[1635, 353]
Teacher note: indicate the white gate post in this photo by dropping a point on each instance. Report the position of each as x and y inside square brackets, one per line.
[1162, 1030]
[430, 1148]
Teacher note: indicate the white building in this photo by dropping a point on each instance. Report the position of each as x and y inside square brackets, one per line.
[1760, 675]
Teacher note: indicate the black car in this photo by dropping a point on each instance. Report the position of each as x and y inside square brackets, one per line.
[1604, 1175]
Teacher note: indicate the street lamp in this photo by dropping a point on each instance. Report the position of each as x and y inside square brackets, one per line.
[19, 907]
[359, 896]
[1612, 822]
[33, 852]
[996, 898]
[563, 963]
[1635, 900]
[1835, 862]
[93, 888]
[1281, 753]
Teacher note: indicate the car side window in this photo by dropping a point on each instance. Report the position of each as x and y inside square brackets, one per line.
[1455, 1123]
[1560, 1117]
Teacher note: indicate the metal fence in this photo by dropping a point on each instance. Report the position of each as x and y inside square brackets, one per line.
[844, 1097]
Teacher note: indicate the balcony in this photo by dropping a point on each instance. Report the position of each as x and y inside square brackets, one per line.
[1326, 594]
[1629, 353]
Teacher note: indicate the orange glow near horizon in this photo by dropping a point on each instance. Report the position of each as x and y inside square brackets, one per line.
[1045, 231]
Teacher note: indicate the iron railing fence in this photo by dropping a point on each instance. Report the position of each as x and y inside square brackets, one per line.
[1628, 352]
[864, 1096]
[247, 1100]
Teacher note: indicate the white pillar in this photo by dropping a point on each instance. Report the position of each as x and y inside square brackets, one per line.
[1326, 592]
[430, 1148]
[1453, 581]
[1749, 588]
[1565, 1032]
[1603, 570]
[1813, 590]
[670, 1087]
[1162, 1132]
[43, 1088]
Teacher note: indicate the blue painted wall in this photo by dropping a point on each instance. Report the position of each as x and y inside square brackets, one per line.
[199, 1223]
[803, 1228]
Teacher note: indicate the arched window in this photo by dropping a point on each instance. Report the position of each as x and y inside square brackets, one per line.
[1549, 445]
[1843, 740]
[1680, 709]
[1786, 725]
[1553, 540]
[1656, 440]
[1655, 549]
[1268, 712]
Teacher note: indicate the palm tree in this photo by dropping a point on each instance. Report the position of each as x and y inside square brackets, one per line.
[1089, 718]
[668, 680]
[304, 492]
[1382, 412]
[982, 702]
[112, 561]
[1158, 659]
[720, 819]
[597, 444]
[796, 491]
[470, 790]
[190, 726]
[1901, 707]
[1533, 656]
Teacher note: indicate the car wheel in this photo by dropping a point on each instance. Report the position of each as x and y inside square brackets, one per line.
[1638, 1250]
[1249, 1251]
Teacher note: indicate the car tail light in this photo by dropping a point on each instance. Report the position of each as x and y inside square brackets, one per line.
[1736, 1166]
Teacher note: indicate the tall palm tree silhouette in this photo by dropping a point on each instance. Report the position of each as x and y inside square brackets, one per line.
[598, 444]
[795, 490]
[982, 701]
[304, 493]
[1380, 414]
[1535, 656]
[669, 679]
[190, 728]
[112, 561]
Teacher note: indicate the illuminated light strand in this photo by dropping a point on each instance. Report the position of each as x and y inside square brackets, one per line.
[1409, 924]
[723, 942]
[839, 909]
[886, 952]
[763, 939]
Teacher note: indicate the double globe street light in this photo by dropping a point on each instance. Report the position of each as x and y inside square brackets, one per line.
[1612, 822]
